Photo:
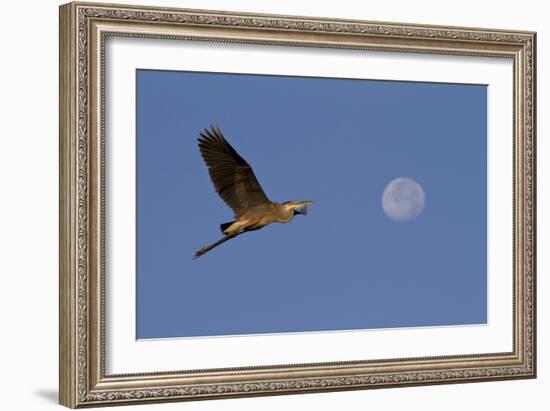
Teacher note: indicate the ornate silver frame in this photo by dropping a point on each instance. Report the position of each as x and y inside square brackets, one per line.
[83, 30]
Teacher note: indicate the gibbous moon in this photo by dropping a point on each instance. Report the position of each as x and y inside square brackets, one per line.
[403, 199]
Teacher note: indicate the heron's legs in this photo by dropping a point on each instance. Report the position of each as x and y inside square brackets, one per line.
[204, 250]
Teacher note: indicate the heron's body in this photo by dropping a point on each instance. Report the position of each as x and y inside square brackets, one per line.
[260, 216]
[237, 185]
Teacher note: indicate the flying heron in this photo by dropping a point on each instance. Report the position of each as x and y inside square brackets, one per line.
[236, 184]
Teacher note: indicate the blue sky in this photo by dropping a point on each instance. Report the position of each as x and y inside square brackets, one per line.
[337, 142]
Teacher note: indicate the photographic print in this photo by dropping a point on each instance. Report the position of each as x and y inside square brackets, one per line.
[259, 204]
[393, 174]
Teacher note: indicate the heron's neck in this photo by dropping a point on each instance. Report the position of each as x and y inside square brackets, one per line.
[284, 213]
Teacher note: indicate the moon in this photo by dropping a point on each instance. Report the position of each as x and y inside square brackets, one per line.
[403, 199]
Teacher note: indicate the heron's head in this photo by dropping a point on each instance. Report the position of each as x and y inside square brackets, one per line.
[299, 207]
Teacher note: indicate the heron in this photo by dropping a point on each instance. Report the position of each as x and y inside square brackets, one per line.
[238, 187]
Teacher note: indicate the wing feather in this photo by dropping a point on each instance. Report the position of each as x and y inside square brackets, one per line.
[231, 175]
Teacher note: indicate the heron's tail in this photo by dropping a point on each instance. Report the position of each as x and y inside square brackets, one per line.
[225, 226]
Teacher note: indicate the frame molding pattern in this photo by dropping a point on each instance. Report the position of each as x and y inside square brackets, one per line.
[77, 385]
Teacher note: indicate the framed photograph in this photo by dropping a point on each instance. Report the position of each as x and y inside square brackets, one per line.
[259, 204]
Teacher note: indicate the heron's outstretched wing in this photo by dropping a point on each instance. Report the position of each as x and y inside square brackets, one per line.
[232, 176]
